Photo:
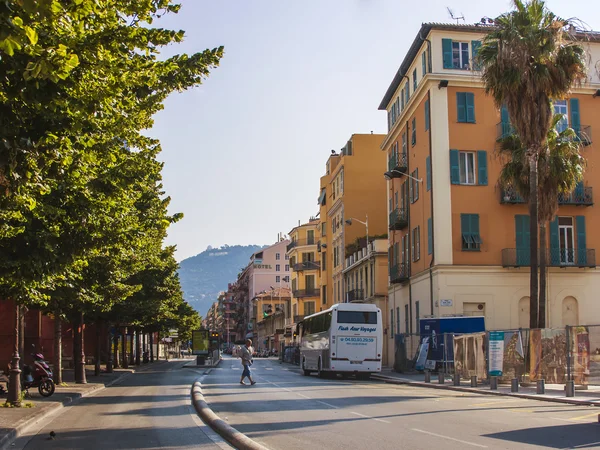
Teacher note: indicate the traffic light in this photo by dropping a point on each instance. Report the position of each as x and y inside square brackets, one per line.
[215, 334]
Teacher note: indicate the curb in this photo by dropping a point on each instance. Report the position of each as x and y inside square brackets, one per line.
[230, 434]
[565, 400]
[16, 432]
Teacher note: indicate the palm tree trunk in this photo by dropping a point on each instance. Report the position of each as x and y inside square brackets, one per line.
[57, 347]
[542, 309]
[533, 228]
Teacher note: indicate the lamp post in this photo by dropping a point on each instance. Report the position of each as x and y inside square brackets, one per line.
[365, 223]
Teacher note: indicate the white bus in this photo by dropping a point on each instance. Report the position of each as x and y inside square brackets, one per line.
[347, 339]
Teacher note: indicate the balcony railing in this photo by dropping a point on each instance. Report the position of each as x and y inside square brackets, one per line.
[397, 162]
[355, 295]
[580, 196]
[398, 219]
[300, 293]
[555, 257]
[301, 242]
[307, 265]
[399, 273]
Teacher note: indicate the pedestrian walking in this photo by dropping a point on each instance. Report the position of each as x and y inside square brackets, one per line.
[247, 360]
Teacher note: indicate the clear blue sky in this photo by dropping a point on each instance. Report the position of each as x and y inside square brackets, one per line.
[244, 152]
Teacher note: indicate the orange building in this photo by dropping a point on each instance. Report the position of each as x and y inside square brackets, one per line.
[351, 206]
[457, 245]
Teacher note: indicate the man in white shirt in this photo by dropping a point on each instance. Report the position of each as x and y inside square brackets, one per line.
[246, 355]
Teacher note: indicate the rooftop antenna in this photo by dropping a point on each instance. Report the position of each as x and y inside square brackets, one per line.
[457, 18]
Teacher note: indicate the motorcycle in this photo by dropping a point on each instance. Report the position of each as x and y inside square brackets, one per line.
[39, 376]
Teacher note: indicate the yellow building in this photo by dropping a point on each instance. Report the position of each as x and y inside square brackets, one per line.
[305, 269]
[457, 244]
[351, 206]
[271, 311]
[366, 281]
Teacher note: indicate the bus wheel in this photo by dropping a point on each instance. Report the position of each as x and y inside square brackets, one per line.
[304, 371]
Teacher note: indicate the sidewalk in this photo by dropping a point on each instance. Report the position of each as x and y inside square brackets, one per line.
[554, 392]
[13, 421]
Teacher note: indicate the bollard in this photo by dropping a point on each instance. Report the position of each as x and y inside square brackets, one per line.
[570, 388]
[541, 387]
[514, 385]
[474, 381]
[494, 383]
[427, 376]
[441, 377]
[456, 379]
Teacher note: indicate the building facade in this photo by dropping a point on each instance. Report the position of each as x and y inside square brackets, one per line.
[352, 189]
[457, 244]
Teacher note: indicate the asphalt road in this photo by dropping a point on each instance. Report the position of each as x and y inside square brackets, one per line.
[146, 410]
[286, 410]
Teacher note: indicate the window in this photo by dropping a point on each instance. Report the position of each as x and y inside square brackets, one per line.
[398, 319]
[417, 314]
[396, 198]
[424, 63]
[402, 99]
[469, 228]
[426, 115]
[309, 281]
[324, 295]
[277, 256]
[392, 323]
[416, 243]
[407, 92]
[324, 229]
[467, 167]
[287, 257]
[429, 236]
[277, 279]
[428, 173]
[404, 145]
[277, 268]
[309, 308]
[415, 80]
[413, 139]
[560, 107]
[406, 321]
[357, 317]
[566, 236]
[415, 185]
[287, 267]
[465, 105]
[460, 55]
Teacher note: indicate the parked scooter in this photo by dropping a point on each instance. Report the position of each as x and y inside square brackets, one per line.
[40, 376]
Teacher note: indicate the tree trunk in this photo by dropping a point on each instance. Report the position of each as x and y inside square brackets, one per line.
[80, 366]
[151, 347]
[533, 229]
[131, 352]
[98, 348]
[57, 347]
[116, 348]
[14, 389]
[109, 350]
[543, 257]
[138, 349]
[124, 349]
[22, 312]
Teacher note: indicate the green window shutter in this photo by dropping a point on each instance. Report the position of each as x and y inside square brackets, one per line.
[581, 243]
[574, 107]
[447, 52]
[424, 63]
[454, 167]
[461, 106]
[475, 45]
[428, 172]
[407, 91]
[470, 107]
[554, 243]
[504, 114]
[415, 82]
[465, 229]
[426, 115]
[482, 168]
[475, 227]
[402, 99]
[429, 236]
[522, 235]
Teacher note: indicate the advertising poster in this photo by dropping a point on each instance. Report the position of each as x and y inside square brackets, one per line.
[200, 342]
[496, 355]
[422, 358]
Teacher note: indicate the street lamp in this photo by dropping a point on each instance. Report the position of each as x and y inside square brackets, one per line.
[388, 175]
[365, 223]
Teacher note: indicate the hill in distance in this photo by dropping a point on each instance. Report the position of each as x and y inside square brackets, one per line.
[205, 275]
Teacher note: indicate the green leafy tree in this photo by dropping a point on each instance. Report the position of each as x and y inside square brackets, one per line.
[528, 59]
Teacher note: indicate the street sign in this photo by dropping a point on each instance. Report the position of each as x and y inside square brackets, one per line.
[496, 356]
[200, 342]
[446, 302]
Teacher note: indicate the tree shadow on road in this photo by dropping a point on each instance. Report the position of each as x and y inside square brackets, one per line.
[578, 435]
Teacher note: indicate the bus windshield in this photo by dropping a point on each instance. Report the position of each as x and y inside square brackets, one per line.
[360, 317]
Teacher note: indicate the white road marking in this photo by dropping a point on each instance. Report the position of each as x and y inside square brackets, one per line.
[585, 445]
[449, 438]
[369, 417]
[268, 368]
[302, 395]
[328, 404]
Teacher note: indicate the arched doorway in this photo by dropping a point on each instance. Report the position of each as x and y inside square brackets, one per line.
[524, 312]
[570, 311]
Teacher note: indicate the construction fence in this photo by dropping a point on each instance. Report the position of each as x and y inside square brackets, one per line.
[555, 355]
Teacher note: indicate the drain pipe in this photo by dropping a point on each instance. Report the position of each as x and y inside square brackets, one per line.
[432, 262]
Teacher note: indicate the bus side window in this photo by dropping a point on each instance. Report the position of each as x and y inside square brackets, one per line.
[327, 324]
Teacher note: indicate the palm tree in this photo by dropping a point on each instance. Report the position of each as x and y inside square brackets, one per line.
[528, 59]
[560, 168]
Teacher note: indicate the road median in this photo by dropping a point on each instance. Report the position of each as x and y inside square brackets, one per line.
[230, 434]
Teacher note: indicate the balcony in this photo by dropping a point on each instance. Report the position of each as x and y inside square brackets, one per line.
[397, 164]
[399, 273]
[555, 257]
[300, 243]
[355, 295]
[398, 219]
[307, 265]
[581, 196]
[301, 293]
[510, 196]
